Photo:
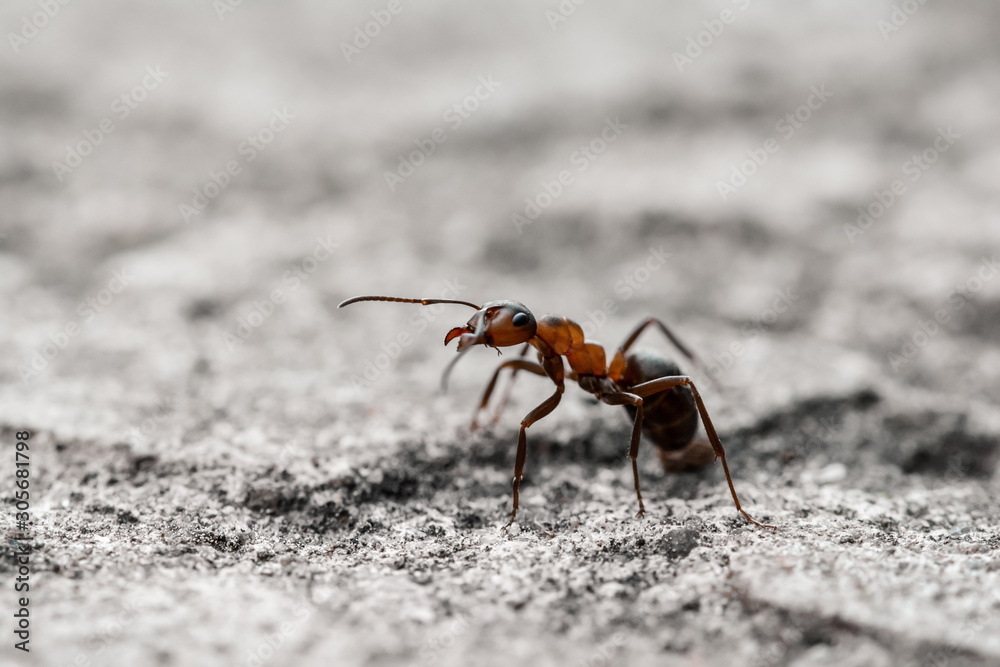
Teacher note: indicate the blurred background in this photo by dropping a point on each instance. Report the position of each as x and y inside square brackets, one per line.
[807, 191]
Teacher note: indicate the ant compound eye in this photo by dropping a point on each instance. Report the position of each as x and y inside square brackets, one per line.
[520, 319]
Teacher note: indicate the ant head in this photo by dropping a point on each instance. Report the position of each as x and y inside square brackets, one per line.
[496, 324]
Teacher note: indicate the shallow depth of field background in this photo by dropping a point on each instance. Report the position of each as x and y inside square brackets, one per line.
[227, 468]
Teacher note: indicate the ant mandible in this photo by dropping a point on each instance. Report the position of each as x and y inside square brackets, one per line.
[664, 403]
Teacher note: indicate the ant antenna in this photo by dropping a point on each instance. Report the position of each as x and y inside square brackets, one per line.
[422, 302]
[429, 302]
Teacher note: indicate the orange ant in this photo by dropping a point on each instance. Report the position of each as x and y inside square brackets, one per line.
[664, 403]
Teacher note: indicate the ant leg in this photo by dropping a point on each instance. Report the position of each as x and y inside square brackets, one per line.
[630, 340]
[665, 383]
[624, 398]
[516, 364]
[510, 387]
[685, 350]
[522, 442]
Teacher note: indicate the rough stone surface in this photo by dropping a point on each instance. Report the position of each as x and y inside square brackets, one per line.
[219, 479]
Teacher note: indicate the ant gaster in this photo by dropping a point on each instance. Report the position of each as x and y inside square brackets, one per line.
[664, 403]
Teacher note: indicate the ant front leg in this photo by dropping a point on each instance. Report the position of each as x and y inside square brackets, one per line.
[626, 398]
[516, 364]
[663, 384]
[510, 387]
[553, 367]
[522, 443]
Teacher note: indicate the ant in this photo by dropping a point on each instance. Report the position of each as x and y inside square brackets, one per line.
[664, 403]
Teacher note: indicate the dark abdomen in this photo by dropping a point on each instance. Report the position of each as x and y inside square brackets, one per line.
[670, 418]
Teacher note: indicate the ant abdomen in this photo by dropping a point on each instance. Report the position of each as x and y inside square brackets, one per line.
[670, 418]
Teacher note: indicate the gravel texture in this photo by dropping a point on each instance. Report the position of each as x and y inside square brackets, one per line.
[228, 470]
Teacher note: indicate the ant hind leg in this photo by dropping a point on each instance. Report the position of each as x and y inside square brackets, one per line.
[663, 384]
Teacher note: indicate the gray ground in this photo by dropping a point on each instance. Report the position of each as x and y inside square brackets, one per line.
[211, 486]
